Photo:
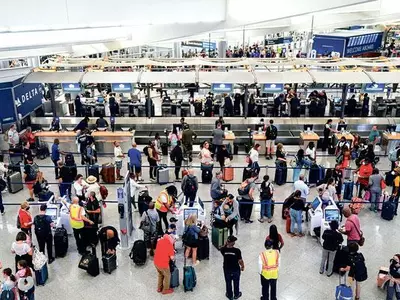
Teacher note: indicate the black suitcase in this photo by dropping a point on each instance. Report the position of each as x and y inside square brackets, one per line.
[235, 149]
[143, 201]
[88, 111]
[280, 173]
[90, 263]
[331, 150]
[246, 173]
[42, 151]
[388, 209]
[389, 178]
[94, 170]
[164, 149]
[139, 253]
[109, 263]
[61, 242]
[99, 112]
[203, 248]
[206, 176]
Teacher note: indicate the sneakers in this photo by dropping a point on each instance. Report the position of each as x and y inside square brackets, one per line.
[159, 290]
[3, 213]
[261, 220]
[51, 260]
[197, 263]
[238, 296]
[30, 200]
[166, 292]
[248, 221]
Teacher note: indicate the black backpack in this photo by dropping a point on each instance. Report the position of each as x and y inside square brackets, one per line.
[358, 267]
[188, 237]
[266, 192]
[42, 228]
[272, 132]
[139, 253]
[190, 186]
[146, 150]
[245, 190]
[7, 295]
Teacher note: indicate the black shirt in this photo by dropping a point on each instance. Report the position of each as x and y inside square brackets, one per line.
[279, 154]
[28, 171]
[68, 174]
[298, 204]
[93, 205]
[27, 155]
[42, 225]
[231, 258]
[332, 240]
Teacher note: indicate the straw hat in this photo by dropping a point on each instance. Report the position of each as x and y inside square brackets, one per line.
[91, 179]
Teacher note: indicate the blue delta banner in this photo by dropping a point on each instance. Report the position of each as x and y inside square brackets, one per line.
[71, 87]
[7, 113]
[222, 87]
[272, 87]
[28, 97]
[374, 88]
[121, 87]
[363, 43]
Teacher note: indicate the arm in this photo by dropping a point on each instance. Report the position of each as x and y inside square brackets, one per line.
[260, 264]
[241, 263]
[235, 211]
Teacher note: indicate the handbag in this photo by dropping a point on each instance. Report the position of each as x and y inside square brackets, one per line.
[361, 234]
[145, 224]
[383, 184]
[38, 259]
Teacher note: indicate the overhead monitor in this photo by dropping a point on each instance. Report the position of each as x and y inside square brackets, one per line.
[259, 127]
[222, 87]
[341, 126]
[308, 127]
[271, 88]
[71, 87]
[190, 211]
[226, 127]
[331, 214]
[374, 88]
[122, 87]
[315, 203]
[100, 100]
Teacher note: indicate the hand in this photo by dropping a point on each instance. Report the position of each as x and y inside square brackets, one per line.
[242, 268]
[91, 223]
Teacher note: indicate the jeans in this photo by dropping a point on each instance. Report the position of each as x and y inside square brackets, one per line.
[256, 168]
[191, 199]
[65, 188]
[265, 288]
[375, 197]
[80, 239]
[391, 291]
[266, 205]
[295, 218]
[229, 277]
[56, 169]
[327, 258]
[30, 294]
[43, 241]
[247, 208]
[1, 203]
[296, 173]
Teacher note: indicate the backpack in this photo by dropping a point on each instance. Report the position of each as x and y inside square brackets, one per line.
[103, 192]
[188, 237]
[190, 186]
[33, 170]
[266, 192]
[145, 225]
[245, 190]
[146, 150]
[7, 295]
[41, 226]
[393, 155]
[272, 132]
[139, 253]
[358, 267]
[18, 222]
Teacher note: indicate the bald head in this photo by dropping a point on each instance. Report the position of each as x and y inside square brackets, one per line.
[301, 177]
[75, 200]
[134, 145]
[347, 212]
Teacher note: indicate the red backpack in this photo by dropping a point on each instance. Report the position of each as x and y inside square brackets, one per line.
[103, 192]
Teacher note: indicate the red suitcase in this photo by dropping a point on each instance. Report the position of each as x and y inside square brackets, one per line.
[228, 174]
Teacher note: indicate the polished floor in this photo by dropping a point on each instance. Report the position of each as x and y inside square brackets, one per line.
[299, 278]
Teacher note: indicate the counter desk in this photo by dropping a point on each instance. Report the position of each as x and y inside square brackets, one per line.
[261, 139]
[349, 137]
[307, 137]
[229, 139]
[103, 140]
[390, 141]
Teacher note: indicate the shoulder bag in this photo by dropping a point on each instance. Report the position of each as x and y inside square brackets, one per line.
[361, 234]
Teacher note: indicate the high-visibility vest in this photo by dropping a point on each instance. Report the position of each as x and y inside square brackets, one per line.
[159, 203]
[270, 260]
[75, 216]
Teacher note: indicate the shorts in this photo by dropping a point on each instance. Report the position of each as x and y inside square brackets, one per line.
[194, 244]
[270, 144]
[136, 169]
[29, 184]
[118, 164]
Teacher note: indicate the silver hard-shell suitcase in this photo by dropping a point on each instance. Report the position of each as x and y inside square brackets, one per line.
[162, 175]
[14, 182]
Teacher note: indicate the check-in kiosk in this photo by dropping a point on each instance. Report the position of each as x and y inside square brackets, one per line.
[330, 213]
[184, 211]
[315, 215]
[63, 217]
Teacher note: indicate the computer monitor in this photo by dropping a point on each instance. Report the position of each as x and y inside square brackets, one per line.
[226, 127]
[52, 212]
[331, 215]
[190, 211]
[341, 126]
[315, 203]
[100, 100]
[167, 99]
[259, 127]
[398, 128]
[308, 127]
[337, 100]
[391, 128]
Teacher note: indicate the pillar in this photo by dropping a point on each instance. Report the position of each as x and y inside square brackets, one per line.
[344, 97]
[222, 47]
[177, 50]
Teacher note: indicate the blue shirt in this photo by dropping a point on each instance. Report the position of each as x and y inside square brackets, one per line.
[55, 152]
[135, 157]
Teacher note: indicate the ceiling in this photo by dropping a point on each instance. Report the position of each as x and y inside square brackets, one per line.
[86, 27]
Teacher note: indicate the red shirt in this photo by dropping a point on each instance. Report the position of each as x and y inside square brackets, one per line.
[352, 227]
[280, 240]
[24, 217]
[164, 251]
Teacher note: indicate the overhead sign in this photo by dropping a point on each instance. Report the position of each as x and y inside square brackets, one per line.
[71, 87]
[222, 87]
[121, 87]
[28, 97]
[7, 112]
[279, 40]
[272, 87]
[200, 44]
[363, 43]
[374, 88]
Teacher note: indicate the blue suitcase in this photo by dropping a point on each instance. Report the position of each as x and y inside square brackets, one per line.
[189, 278]
[348, 190]
[280, 173]
[317, 173]
[42, 275]
[343, 292]
[388, 209]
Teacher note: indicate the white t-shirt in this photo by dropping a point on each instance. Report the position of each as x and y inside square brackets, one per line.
[206, 156]
[94, 187]
[253, 155]
[20, 248]
[118, 152]
[310, 152]
[135, 186]
[79, 188]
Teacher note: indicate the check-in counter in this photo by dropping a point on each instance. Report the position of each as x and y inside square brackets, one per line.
[349, 137]
[307, 137]
[103, 140]
[390, 141]
[260, 138]
[229, 138]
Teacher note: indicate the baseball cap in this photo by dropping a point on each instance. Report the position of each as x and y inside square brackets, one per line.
[231, 239]
[173, 220]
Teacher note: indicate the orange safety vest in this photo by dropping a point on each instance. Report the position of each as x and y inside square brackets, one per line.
[270, 259]
[75, 216]
[160, 205]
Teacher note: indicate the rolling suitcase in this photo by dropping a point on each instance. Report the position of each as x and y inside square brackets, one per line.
[228, 174]
[280, 174]
[317, 173]
[90, 263]
[219, 236]
[246, 173]
[203, 248]
[143, 201]
[388, 209]
[389, 178]
[14, 182]
[189, 278]
[343, 292]
[71, 108]
[42, 275]
[60, 242]
[206, 176]
[341, 259]
[331, 150]
[109, 263]
[93, 170]
[162, 174]
[174, 282]
[42, 151]
[164, 149]
[108, 173]
[139, 253]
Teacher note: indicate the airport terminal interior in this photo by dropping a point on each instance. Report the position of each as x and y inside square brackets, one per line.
[306, 93]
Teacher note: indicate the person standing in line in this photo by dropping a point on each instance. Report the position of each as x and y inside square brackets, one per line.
[176, 156]
[118, 157]
[134, 187]
[77, 219]
[25, 218]
[275, 238]
[266, 194]
[135, 161]
[22, 249]
[268, 263]
[253, 155]
[55, 155]
[164, 254]
[217, 191]
[327, 132]
[332, 239]
[30, 174]
[296, 210]
[271, 134]
[233, 266]
[375, 185]
[218, 138]
[352, 227]
[190, 186]
[164, 204]
[151, 217]
[153, 160]
[188, 136]
[43, 225]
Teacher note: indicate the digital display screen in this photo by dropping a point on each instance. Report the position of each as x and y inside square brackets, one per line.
[315, 203]
[190, 211]
[100, 100]
[332, 215]
[52, 213]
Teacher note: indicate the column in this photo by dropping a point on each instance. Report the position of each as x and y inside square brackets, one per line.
[222, 47]
[177, 50]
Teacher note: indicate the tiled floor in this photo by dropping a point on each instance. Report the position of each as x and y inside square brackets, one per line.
[298, 277]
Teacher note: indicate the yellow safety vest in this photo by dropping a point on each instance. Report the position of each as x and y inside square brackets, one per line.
[75, 216]
[159, 203]
[270, 260]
